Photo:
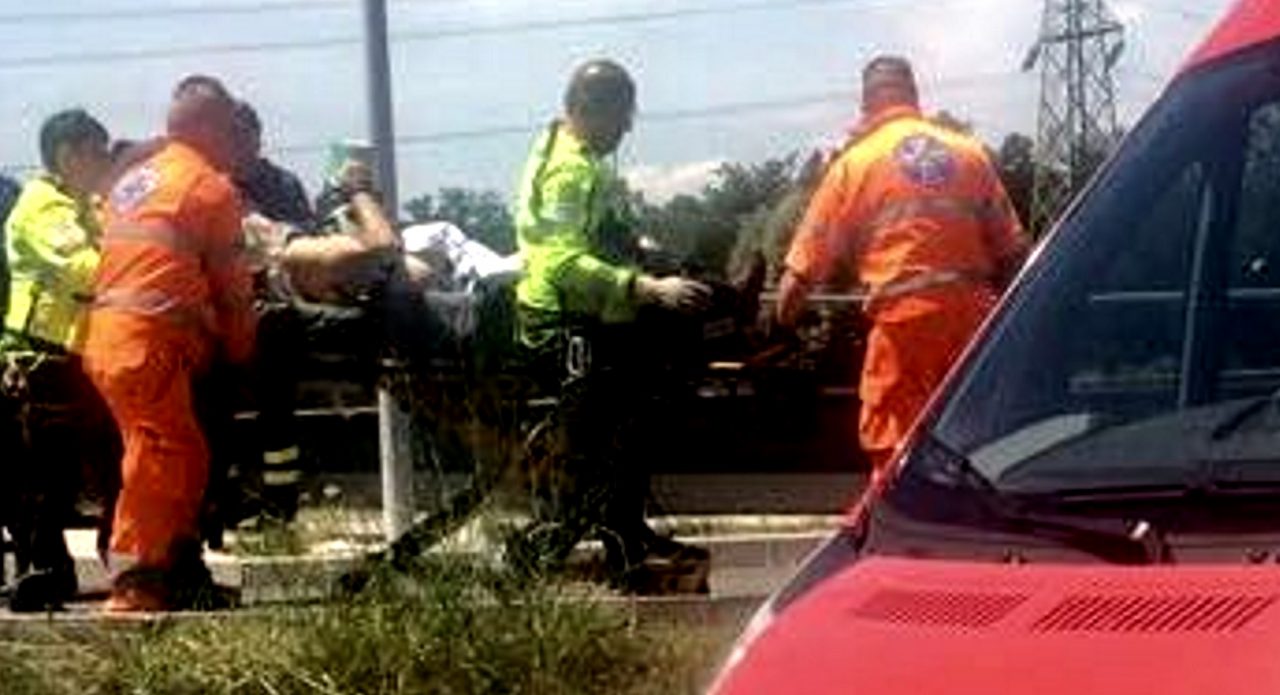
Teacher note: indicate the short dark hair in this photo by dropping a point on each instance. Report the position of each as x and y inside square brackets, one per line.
[890, 72]
[889, 64]
[121, 147]
[72, 127]
[211, 86]
[246, 118]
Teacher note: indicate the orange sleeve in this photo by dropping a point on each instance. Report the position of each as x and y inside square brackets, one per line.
[819, 240]
[213, 209]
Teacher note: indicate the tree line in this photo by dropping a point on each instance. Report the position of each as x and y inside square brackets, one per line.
[744, 215]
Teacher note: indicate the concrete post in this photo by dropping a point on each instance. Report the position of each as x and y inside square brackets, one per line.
[393, 422]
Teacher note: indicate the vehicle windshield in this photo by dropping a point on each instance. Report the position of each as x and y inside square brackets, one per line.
[1142, 346]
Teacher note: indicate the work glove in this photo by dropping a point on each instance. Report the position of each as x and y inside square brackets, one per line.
[674, 293]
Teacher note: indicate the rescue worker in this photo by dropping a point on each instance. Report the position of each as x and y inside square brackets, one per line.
[267, 188]
[311, 288]
[173, 294]
[576, 292]
[276, 208]
[9, 191]
[52, 235]
[919, 214]
[65, 434]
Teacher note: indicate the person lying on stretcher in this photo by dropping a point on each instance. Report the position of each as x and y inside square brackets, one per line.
[329, 287]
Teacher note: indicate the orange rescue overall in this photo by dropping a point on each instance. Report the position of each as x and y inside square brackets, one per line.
[922, 216]
[172, 289]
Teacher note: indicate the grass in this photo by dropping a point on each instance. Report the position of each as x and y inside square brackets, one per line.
[447, 628]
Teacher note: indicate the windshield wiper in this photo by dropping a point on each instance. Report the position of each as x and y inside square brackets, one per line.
[1113, 540]
[1251, 409]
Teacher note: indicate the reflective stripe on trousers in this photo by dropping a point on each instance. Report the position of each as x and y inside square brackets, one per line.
[280, 466]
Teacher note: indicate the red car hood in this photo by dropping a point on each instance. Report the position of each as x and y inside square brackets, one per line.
[1248, 22]
[897, 626]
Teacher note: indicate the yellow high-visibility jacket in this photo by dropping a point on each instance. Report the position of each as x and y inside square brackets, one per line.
[565, 193]
[52, 241]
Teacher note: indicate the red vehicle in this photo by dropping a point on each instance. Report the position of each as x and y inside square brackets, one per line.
[1092, 503]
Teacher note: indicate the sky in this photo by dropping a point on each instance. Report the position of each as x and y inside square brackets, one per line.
[473, 80]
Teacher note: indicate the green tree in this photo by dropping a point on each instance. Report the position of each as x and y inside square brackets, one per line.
[1017, 166]
[481, 214]
[706, 228]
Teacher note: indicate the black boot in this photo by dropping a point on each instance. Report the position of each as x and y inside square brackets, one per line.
[42, 590]
[190, 584]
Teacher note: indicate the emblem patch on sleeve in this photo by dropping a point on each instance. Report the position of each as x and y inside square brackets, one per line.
[133, 188]
[925, 161]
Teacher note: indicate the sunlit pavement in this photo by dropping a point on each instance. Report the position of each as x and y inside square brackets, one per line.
[752, 554]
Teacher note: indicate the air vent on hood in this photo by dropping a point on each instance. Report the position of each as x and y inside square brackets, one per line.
[938, 608]
[1125, 613]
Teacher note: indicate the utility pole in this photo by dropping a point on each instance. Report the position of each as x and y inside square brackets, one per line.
[394, 451]
[1079, 44]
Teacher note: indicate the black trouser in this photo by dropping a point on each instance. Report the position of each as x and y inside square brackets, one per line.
[217, 399]
[289, 336]
[60, 442]
[598, 482]
[290, 333]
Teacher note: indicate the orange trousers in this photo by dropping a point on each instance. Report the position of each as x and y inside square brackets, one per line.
[906, 360]
[144, 367]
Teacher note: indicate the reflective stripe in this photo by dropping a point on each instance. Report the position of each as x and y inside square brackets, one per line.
[164, 235]
[578, 357]
[960, 208]
[276, 478]
[280, 457]
[157, 233]
[141, 301]
[154, 303]
[921, 282]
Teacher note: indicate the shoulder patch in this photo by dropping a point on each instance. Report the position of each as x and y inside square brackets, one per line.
[925, 160]
[133, 188]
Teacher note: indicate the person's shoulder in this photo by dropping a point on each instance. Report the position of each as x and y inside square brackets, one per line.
[39, 189]
[207, 187]
[39, 196]
[860, 149]
[570, 154]
[963, 142]
[283, 176]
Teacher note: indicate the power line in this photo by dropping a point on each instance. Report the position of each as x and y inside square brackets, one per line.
[1179, 11]
[137, 13]
[144, 13]
[710, 111]
[531, 26]
[677, 115]
[133, 14]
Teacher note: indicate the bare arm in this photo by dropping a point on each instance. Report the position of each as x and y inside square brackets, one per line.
[791, 295]
[375, 231]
